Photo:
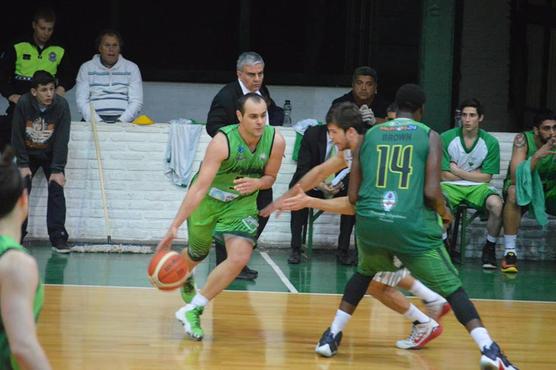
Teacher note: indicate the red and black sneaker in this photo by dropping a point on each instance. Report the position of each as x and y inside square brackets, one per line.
[509, 263]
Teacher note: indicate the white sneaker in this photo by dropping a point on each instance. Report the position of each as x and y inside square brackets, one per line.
[438, 308]
[420, 335]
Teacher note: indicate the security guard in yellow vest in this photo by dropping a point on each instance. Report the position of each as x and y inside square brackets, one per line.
[19, 62]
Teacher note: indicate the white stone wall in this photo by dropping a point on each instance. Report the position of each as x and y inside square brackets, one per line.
[142, 201]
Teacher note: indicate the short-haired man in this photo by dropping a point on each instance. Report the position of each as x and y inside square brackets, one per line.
[26, 56]
[250, 77]
[533, 158]
[364, 94]
[110, 82]
[40, 136]
[222, 203]
[471, 157]
[22, 293]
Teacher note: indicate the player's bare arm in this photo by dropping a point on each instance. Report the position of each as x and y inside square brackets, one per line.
[18, 282]
[519, 154]
[301, 200]
[433, 193]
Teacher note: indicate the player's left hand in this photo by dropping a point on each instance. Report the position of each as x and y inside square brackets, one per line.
[297, 201]
[58, 178]
[166, 242]
[246, 185]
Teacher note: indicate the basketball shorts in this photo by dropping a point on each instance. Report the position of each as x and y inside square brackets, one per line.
[474, 196]
[214, 219]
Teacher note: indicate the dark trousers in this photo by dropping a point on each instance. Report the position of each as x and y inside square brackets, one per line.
[263, 199]
[299, 219]
[56, 208]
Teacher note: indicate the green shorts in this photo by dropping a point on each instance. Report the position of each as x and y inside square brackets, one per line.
[474, 196]
[432, 267]
[214, 219]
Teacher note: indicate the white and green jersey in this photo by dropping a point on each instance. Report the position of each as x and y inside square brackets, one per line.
[484, 154]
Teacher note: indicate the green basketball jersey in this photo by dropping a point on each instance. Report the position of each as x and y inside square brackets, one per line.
[6, 360]
[393, 159]
[483, 155]
[546, 167]
[241, 162]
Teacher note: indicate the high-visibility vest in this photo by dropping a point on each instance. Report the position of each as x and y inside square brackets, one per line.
[29, 60]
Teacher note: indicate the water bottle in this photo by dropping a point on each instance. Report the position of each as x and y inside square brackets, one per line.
[287, 113]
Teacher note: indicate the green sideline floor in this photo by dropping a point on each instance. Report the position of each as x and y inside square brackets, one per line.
[535, 281]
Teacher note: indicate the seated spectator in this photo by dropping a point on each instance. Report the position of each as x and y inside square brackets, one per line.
[533, 158]
[316, 147]
[40, 135]
[364, 95]
[111, 83]
[471, 157]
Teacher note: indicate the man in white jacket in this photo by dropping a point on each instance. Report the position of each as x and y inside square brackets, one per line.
[110, 82]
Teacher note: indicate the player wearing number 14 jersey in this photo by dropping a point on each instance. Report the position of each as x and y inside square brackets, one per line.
[395, 186]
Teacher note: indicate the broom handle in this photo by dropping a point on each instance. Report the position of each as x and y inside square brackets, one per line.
[107, 225]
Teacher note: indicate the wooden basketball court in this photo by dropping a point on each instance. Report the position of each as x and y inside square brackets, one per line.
[86, 327]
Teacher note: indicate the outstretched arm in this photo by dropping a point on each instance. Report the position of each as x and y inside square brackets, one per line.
[300, 200]
[217, 151]
[18, 283]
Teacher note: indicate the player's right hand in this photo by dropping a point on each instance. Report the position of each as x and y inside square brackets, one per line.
[447, 217]
[166, 242]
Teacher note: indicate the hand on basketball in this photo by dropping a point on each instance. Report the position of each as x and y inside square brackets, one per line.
[246, 185]
[297, 201]
[166, 242]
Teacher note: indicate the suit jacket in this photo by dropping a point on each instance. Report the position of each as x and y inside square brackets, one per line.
[224, 105]
[312, 151]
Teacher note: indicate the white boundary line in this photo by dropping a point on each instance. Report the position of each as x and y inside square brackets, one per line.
[279, 272]
[273, 292]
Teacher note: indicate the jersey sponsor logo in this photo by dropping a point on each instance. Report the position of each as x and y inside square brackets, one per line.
[52, 56]
[398, 128]
[389, 200]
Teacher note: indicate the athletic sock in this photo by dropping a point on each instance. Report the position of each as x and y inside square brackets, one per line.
[491, 240]
[418, 289]
[415, 315]
[509, 243]
[340, 322]
[198, 301]
[481, 337]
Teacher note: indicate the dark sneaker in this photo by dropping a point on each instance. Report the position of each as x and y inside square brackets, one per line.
[295, 257]
[493, 359]
[247, 274]
[328, 343]
[488, 258]
[509, 263]
[61, 246]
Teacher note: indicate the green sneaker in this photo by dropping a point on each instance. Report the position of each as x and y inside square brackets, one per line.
[188, 290]
[191, 321]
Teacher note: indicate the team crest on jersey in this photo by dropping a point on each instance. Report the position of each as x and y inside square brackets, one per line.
[262, 157]
[52, 56]
[389, 200]
[240, 151]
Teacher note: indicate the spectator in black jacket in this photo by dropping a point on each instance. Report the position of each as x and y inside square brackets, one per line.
[26, 56]
[250, 76]
[40, 136]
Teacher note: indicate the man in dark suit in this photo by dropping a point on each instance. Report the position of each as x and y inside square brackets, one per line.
[250, 76]
[316, 147]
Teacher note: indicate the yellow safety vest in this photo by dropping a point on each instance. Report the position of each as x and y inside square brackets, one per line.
[29, 60]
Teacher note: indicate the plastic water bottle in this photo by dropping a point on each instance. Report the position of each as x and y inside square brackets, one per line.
[287, 113]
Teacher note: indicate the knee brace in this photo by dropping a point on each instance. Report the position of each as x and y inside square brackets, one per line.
[462, 306]
[356, 288]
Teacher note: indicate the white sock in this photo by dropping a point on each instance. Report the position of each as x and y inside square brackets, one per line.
[491, 238]
[415, 314]
[444, 235]
[481, 337]
[198, 301]
[509, 243]
[420, 290]
[340, 322]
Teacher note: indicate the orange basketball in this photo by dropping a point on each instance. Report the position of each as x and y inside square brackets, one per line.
[167, 270]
